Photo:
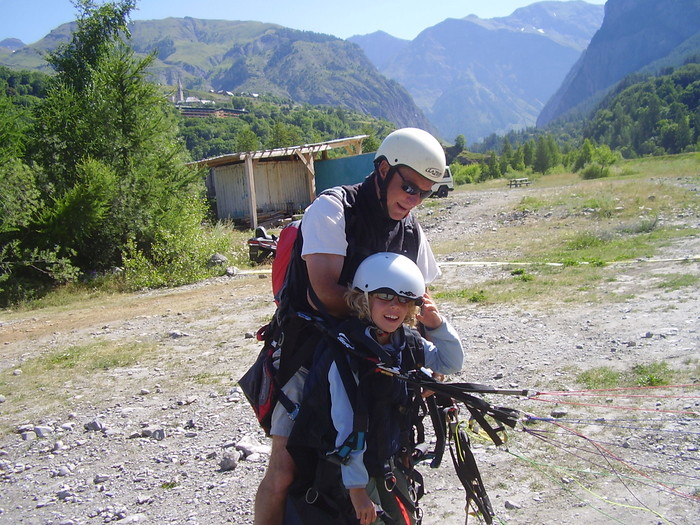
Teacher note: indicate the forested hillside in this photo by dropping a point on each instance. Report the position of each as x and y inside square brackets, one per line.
[656, 116]
[268, 124]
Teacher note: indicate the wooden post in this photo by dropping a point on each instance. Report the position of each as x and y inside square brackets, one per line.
[311, 171]
[252, 201]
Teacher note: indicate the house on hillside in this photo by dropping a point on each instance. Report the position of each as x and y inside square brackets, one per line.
[256, 186]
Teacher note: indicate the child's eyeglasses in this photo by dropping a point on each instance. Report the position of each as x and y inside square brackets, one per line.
[388, 297]
[412, 189]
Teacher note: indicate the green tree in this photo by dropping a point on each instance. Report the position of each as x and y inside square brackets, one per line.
[494, 168]
[542, 160]
[583, 156]
[518, 160]
[13, 126]
[112, 170]
[452, 152]
[529, 153]
[247, 140]
[98, 28]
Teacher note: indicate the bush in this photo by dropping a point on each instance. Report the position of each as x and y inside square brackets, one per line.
[595, 171]
[465, 174]
[179, 253]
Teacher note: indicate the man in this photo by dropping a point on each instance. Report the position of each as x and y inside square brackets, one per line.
[340, 229]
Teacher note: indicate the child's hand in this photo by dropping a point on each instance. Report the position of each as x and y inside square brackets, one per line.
[428, 314]
[364, 507]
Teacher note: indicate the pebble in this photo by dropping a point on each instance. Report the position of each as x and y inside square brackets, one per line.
[559, 413]
[229, 461]
[95, 425]
[43, 432]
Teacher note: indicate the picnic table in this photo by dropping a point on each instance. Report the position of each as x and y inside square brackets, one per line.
[516, 183]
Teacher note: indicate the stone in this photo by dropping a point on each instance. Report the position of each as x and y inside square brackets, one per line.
[559, 413]
[229, 461]
[95, 425]
[43, 432]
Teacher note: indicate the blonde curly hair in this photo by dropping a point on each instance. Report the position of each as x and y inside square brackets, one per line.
[358, 302]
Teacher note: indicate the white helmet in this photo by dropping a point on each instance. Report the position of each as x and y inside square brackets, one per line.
[390, 272]
[414, 148]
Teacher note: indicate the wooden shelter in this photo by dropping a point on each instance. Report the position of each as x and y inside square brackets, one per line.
[247, 184]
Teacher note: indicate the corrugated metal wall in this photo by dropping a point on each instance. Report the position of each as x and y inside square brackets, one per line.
[279, 186]
[282, 185]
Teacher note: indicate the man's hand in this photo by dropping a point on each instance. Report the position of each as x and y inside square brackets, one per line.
[365, 510]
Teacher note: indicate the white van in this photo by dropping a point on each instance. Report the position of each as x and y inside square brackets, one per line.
[446, 185]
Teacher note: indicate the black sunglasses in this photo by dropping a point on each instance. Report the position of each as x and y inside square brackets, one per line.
[388, 297]
[412, 189]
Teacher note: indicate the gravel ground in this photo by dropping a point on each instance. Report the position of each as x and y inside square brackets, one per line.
[170, 439]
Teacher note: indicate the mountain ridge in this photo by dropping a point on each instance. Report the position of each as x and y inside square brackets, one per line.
[237, 56]
[636, 36]
[496, 74]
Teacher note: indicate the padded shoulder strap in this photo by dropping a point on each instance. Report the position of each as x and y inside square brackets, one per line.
[414, 349]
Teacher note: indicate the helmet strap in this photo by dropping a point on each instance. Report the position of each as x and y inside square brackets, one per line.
[383, 184]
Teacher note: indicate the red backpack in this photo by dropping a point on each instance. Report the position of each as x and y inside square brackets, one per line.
[283, 254]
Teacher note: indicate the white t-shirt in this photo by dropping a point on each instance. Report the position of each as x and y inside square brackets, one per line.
[323, 229]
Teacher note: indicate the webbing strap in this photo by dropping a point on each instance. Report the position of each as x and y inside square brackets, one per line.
[360, 423]
[467, 470]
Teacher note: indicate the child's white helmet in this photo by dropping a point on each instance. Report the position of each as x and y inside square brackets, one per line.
[414, 148]
[390, 272]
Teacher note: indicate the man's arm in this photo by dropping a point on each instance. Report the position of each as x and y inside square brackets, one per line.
[324, 271]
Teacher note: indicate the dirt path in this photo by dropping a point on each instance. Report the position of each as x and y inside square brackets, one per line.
[102, 458]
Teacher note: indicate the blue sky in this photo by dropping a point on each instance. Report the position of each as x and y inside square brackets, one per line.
[30, 20]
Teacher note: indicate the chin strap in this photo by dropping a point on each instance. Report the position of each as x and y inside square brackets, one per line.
[383, 184]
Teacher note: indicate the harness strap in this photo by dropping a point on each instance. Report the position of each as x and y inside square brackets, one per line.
[467, 470]
[354, 390]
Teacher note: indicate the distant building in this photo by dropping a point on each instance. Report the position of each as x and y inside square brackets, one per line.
[200, 112]
[270, 182]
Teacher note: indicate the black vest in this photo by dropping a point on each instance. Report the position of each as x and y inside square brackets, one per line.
[368, 230]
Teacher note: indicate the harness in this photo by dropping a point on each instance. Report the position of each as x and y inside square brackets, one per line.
[370, 359]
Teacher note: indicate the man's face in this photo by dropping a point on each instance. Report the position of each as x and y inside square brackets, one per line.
[400, 202]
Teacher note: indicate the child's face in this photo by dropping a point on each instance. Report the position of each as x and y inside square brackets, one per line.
[387, 311]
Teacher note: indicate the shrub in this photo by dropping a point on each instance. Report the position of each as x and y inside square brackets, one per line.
[595, 171]
[465, 174]
[179, 253]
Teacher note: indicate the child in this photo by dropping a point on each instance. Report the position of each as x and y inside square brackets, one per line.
[362, 423]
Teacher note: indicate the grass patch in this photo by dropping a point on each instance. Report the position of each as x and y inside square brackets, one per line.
[653, 374]
[672, 282]
[587, 221]
[579, 283]
[208, 378]
[531, 204]
[470, 296]
[86, 358]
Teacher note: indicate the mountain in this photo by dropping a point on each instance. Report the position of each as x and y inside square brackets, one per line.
[238, 56]
[380, 47]
[642, 36]
[476, 77]
[12, 44]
